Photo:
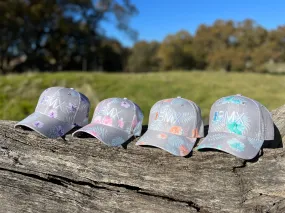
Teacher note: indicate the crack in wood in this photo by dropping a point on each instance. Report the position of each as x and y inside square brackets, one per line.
[189, 203]
[14, 139]
[63, 181]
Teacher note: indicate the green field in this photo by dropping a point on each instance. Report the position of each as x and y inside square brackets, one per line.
[19, 93]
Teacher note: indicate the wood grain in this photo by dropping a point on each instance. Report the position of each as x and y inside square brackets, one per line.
[84, 175]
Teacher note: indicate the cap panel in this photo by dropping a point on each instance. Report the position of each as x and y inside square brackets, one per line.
[82, 115]
[256, 119]
[198, 132]
[236, 114]
[153, 116]
[44, 99]
[97, 109]
[61, 104]
[201, 130]
[268, 125]
[138, 120]
[176, 116]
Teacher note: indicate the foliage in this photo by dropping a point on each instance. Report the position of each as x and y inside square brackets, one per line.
[20, 93]
[55, 35]
[225, 45]
[175, 52]
[58, 34]
[143, 57]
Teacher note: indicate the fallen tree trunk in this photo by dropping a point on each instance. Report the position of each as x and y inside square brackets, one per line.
[83, 175]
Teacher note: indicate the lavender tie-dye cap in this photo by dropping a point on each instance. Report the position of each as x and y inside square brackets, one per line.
[238, 125]
[58, 111]
[174, 126]
[115, 120]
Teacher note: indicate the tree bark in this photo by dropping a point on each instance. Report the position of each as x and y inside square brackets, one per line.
[84, 175]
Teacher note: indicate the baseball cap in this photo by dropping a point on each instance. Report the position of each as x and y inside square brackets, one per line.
[115, 120]
[238, 125]
[174, 126]
[58, 111]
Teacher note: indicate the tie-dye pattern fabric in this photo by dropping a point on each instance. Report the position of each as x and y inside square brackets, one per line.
[174, 144]
[115, 120]
[107, 134]
[174, 126]
[58, 111]
[237, 145]
[46, 126]
[238, 125]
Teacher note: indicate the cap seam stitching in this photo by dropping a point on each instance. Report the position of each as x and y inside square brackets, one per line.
[73, 123]
[131, 129]
[193, 105]
[260, 116]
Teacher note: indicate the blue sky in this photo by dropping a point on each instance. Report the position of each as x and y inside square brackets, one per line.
[161, 17]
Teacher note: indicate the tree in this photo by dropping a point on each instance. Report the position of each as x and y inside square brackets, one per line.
[112, 55]
[51, 33]
[250, 35]
[277, 41]
[143, 57]
[175, 52]
[229, 45]
[210, 42]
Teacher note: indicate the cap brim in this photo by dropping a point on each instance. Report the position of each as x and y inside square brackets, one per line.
[108, 135]
[45, 125]
[175, 144]
[237, 145]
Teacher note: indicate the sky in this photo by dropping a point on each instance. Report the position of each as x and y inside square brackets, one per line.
[158, 18]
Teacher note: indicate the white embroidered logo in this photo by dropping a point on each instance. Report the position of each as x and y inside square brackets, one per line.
[170, 116]
[222, 116]
[113, 112]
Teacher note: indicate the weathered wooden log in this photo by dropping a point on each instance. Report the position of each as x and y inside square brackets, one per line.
[84, 175]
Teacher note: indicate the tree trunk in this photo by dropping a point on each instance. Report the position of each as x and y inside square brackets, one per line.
[3, 69]
[83, 175]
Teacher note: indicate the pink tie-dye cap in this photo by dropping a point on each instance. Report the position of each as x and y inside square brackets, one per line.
[115, 121]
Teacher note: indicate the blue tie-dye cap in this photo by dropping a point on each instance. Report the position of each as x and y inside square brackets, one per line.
[58, 111]
[115, 120]
[238, 125]
[174, 126]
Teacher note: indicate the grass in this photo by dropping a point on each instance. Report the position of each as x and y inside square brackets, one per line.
[19, 93]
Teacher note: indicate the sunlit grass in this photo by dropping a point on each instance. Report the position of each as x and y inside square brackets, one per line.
[20, 93]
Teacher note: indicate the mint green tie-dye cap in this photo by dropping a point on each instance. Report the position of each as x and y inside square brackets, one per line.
[115, 121]
[58, 111]
[238, 125]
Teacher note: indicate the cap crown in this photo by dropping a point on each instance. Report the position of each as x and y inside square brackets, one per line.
[64, 104]
[178, 116]
[242, 116]
[119, 113]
